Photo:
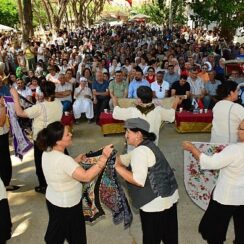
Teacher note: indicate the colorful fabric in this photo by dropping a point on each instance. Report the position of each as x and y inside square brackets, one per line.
[92, 208]
[112, 194]
[105, 188]
[200, 183]
[21, 143]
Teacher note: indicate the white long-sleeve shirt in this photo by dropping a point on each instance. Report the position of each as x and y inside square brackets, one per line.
[154, 117]
[229, 188]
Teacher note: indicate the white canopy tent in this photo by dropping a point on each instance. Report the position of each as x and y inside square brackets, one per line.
[6, 28]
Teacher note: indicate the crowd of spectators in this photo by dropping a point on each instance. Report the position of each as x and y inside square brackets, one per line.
[93, 65]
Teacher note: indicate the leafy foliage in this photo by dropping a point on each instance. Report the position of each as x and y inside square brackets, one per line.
[8, 13]
[228, 14]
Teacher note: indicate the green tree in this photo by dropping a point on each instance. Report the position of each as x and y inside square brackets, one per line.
[8, 13]
[228, 14]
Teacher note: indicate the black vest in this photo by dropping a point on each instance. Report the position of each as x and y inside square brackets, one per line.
[160, 180]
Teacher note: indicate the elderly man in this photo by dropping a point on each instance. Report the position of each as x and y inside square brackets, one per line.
[160, 87]
[117, 88]
[100, 94]
[136, 83]
[211, 86]
[63, 92]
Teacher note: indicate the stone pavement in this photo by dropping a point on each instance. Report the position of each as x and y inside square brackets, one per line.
[29, 213]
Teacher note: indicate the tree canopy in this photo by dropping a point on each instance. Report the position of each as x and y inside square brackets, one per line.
[8, 13]
[228, 14]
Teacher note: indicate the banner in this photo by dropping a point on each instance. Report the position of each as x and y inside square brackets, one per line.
[21, 143]
[200, 183]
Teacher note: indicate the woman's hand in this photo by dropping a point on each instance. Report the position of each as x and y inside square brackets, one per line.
[107, 150]
[80, 157]
[188, 146]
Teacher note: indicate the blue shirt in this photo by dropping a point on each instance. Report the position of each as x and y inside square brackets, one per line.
[133, 86]
[171, 78]
[100, 87]
[4, 91]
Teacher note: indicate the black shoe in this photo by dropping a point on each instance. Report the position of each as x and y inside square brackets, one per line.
[41, 189]
[12, 188]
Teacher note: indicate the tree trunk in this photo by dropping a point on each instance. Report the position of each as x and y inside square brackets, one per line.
[27, 20]
[20, 11]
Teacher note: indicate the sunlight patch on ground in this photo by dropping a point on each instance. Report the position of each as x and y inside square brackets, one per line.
[21, 227]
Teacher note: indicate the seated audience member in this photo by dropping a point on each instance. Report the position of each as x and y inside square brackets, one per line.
[160, 87]
[100, 94]
[34, 86]
[186, 69]
[53, 75]
[235, 76]
[182, 88]
[150, 77]
[136, 83]
[220, 70]
[210, 87]
[203, 75]
[171, 76]
[118, 88]
[83, 101]
[63, 92]
[196, 84]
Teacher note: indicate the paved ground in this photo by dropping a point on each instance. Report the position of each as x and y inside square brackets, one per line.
[28, 209]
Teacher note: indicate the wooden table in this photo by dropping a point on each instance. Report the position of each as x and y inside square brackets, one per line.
[186, 121]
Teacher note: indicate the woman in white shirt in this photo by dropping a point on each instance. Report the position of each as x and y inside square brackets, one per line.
[151, 184]
[227, 114]
[42, 113]
[228, 196]
[64, 190]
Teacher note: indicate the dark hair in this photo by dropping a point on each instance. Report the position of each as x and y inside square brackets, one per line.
[145, 93]
[224, 89]
[83, 73]
[183, 77]
[48, 137]
[48, 90]
[138, 69]
[146, 135]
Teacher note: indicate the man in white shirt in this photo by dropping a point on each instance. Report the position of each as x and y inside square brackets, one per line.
[63, 92]
[160, 87]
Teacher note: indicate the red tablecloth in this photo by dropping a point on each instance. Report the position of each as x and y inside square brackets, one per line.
[107, 118]
[67, 119]
[186, 116]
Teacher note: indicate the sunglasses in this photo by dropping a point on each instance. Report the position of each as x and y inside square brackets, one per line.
[160, 89]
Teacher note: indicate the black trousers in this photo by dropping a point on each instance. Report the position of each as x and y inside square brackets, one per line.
[102, 103]
[65, 224]
[38, 164]
[160, 226]
[5, 160]
[5, 221]
[214, 224]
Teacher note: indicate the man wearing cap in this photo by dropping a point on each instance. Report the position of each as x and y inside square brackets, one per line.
[151, 184]
[146, 110]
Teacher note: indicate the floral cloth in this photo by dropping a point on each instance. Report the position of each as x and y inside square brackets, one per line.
[107, 189]
[200, 183]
